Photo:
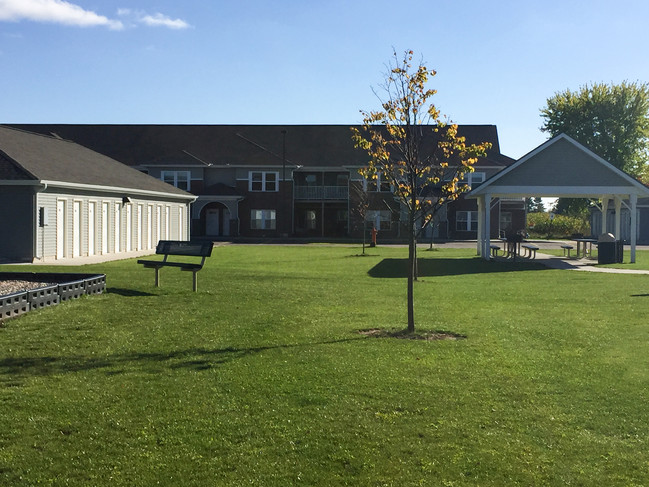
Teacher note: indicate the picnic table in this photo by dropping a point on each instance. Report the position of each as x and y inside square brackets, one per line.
[585, 246]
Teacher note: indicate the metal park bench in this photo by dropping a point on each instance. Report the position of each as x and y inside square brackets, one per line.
[179, 248]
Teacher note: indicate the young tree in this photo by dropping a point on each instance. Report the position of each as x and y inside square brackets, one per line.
[611, 120]
[421, 155]
[360, 207]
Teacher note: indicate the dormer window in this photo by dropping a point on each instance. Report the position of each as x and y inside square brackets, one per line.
[179, 179]
[263, 181]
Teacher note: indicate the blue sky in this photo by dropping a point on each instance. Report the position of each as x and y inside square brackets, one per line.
[307, 62]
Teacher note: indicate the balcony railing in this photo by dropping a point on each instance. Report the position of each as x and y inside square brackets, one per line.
[321, 192]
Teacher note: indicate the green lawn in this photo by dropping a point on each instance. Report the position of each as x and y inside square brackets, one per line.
[261, 378]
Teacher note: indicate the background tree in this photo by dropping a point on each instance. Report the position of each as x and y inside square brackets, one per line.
[535, 205]
[611, 120]
[420, 154]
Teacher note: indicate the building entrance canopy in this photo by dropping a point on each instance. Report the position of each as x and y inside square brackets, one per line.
[561, 167]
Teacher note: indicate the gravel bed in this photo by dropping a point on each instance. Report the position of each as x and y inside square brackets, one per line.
[15, 286]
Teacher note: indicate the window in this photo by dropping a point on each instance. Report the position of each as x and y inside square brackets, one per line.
[505, 220]
[381, 219]
[381, 182]
[262, 219]
[179, 179]
[466, 221]
[473, 179]
[263, 181]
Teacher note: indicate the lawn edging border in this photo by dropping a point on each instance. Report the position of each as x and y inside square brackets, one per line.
[64, 286]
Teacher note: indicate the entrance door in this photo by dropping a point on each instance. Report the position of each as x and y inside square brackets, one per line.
[104, 228]
[60, 229]
[217, 221]
[212, 221]
[76, 229]
[91, 227]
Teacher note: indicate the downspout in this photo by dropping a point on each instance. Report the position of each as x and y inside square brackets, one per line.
[39, 189]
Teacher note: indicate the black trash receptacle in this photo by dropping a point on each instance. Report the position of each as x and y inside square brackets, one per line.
[619, 251]
[607, 249]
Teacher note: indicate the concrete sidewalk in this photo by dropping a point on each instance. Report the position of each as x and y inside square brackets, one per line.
[554, 262]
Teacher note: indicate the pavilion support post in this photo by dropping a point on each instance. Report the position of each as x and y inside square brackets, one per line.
[480, 243]
[634, 224]
[618, 218]
[604, 213]
[487, 227]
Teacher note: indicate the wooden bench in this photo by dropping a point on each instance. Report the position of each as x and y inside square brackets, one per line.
[530, 250]
[566, 249]
[182, 248]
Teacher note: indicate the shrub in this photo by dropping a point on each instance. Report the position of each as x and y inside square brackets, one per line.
[539, 224]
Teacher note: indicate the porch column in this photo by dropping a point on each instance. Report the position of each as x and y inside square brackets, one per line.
[486, 254]
[604, 212]
[480, 243]
[618, 218]
[634, 223]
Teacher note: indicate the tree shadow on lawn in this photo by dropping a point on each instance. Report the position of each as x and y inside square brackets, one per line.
[398, 268]
[12, 370]
[129, 293]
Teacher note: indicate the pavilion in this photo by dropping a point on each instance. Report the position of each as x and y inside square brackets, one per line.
[560, 167]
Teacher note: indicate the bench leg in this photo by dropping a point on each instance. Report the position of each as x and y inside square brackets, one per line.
[194, 282]
[157, 277]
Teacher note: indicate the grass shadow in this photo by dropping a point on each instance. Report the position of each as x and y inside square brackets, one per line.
[129, 293]
[13, 369]
[398, 268]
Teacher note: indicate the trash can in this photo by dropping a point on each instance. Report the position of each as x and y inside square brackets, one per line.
[619, 251]
[609, 250]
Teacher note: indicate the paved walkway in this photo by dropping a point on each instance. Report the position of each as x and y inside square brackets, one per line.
[554, 262]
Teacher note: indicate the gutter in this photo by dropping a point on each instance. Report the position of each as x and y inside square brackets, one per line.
[115, 189]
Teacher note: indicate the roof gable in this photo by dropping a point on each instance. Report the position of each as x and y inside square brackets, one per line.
[47, 158]
[561, 167]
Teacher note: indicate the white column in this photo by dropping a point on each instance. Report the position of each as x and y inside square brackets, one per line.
[634, 222]
[486, 253]
[618, 218]
[604, 212]
[480, 243]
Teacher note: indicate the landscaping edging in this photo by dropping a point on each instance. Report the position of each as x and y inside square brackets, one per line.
[64, 286]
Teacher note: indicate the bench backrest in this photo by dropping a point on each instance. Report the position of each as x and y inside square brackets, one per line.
[184, 247]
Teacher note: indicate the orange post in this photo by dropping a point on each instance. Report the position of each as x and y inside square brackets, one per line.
[374, 232]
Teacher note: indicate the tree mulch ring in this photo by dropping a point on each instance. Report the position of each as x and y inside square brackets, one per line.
[416, 335]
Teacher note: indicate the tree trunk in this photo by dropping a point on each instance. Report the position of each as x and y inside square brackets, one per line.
[412, 273]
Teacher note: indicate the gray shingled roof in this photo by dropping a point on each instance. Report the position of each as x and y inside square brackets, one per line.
[306, 145]
[31, 156]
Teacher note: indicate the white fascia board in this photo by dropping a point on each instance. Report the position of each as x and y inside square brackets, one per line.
[219, 198]
[116, 189]
[561, 191]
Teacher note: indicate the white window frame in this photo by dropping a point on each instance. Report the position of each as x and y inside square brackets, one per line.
[375, 185]
[383, 217]
[264, 181]
[171, 177]
[465, 224]
[473, 178]
[267, 219]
